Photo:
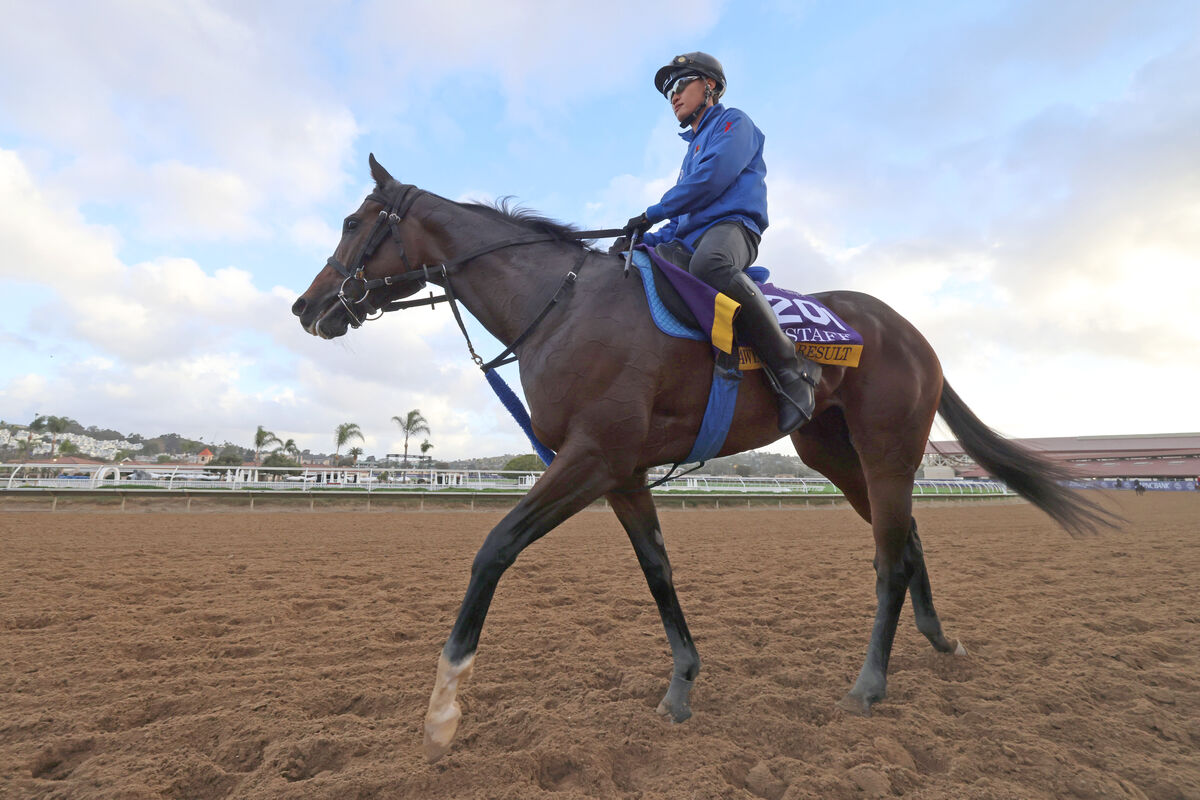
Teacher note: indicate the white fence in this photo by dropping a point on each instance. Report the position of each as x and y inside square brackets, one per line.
[15, 477]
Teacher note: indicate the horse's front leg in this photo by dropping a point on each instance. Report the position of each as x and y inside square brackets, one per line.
[569, 485]
[635, 509]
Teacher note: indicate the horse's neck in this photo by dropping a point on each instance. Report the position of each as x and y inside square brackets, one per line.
[504, 289]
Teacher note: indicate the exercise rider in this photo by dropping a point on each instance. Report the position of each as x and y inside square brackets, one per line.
[717, 212]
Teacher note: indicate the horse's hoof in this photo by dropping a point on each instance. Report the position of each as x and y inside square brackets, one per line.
[959, 650]
[439, 732]
[675, 702]
[853, 704]
[441, 721]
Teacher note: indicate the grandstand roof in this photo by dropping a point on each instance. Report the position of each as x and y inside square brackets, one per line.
[1158, 455]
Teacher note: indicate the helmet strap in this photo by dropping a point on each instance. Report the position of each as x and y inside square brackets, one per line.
[708, 95]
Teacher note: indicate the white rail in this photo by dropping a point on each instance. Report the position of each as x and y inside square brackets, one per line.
[15, 477]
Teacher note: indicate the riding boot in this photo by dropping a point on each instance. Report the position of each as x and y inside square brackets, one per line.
[793, 377]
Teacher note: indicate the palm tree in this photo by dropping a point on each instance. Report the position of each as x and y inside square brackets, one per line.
[355, 452]
[263, 438]
[56, 425]
[344, 433]
[37, 426]
[426, 446]
[289, 449]
[412, 424]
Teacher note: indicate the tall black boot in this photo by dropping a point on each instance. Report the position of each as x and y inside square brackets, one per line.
[793, 376]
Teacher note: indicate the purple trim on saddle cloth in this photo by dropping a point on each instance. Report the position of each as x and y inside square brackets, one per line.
[818, 332]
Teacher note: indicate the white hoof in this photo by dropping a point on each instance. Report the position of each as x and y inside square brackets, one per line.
[441, 721]
[960, 650]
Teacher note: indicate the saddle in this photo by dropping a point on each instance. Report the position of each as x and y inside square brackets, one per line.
[672, 252]
[683, 306]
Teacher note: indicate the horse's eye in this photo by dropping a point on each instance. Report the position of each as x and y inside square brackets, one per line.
[349, 225]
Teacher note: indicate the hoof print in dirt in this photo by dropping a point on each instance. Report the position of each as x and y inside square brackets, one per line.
[306, 759]
[56, 761]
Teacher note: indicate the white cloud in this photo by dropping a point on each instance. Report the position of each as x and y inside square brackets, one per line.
[189, 111]
[201, 203]
[535, 49]
[44, 238]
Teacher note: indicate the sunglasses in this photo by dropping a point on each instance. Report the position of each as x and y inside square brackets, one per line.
[678, 85]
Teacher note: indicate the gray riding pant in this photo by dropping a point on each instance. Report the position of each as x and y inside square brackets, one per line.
[724, 250]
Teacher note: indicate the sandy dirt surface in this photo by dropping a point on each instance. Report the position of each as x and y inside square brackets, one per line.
[291, 655]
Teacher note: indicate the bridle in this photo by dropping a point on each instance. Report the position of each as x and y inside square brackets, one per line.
[354, 277]
[388, 221]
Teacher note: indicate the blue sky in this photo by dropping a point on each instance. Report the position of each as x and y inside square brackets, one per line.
[1021, 180]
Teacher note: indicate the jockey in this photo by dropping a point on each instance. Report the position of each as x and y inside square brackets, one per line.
[717, 212]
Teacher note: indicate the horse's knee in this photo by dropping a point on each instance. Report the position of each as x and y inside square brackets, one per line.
[491, 562]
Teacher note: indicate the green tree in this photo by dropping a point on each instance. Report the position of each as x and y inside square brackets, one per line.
[229, 457]
[527, 463]
[56, 426]
[354, 453]
[37, 426]
[344, 433]
[264, 438]
[280, 459]
[68, 448]
[290, 450]
[412, 424]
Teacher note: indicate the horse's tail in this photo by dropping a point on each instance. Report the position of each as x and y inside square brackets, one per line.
[1027, 473]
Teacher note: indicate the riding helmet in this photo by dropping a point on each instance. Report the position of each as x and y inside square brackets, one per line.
[700, 63]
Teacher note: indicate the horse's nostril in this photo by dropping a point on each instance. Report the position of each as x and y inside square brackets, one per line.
[299, 306]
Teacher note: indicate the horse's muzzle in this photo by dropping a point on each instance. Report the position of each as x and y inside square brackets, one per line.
[324, 320]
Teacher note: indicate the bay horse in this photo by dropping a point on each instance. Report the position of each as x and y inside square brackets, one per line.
[614, 397]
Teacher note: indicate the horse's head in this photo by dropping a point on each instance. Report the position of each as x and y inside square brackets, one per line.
[371, 265]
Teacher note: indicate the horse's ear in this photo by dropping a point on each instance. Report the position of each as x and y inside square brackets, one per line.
[381, 175]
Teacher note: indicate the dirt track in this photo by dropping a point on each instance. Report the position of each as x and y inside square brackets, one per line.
[291, 655]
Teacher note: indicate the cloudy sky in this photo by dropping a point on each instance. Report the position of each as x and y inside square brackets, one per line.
[1020, 179]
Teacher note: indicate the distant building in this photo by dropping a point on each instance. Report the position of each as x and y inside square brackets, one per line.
[1164, 455]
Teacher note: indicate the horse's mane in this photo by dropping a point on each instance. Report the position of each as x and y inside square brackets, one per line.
[505, 209]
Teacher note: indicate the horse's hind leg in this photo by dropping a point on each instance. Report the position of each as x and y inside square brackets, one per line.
[922, 598]
[635, 509]
[891, 506]
[825, 445]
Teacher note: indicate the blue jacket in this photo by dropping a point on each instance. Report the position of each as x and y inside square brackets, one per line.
[722, 178]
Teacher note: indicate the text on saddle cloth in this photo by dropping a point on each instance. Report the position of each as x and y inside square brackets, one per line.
[818, 332]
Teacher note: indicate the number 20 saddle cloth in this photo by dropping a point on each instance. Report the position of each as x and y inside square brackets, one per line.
[684, 306]
[688, 308]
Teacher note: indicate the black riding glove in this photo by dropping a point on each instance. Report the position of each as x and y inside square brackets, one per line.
[636, 225]
[620, 246]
